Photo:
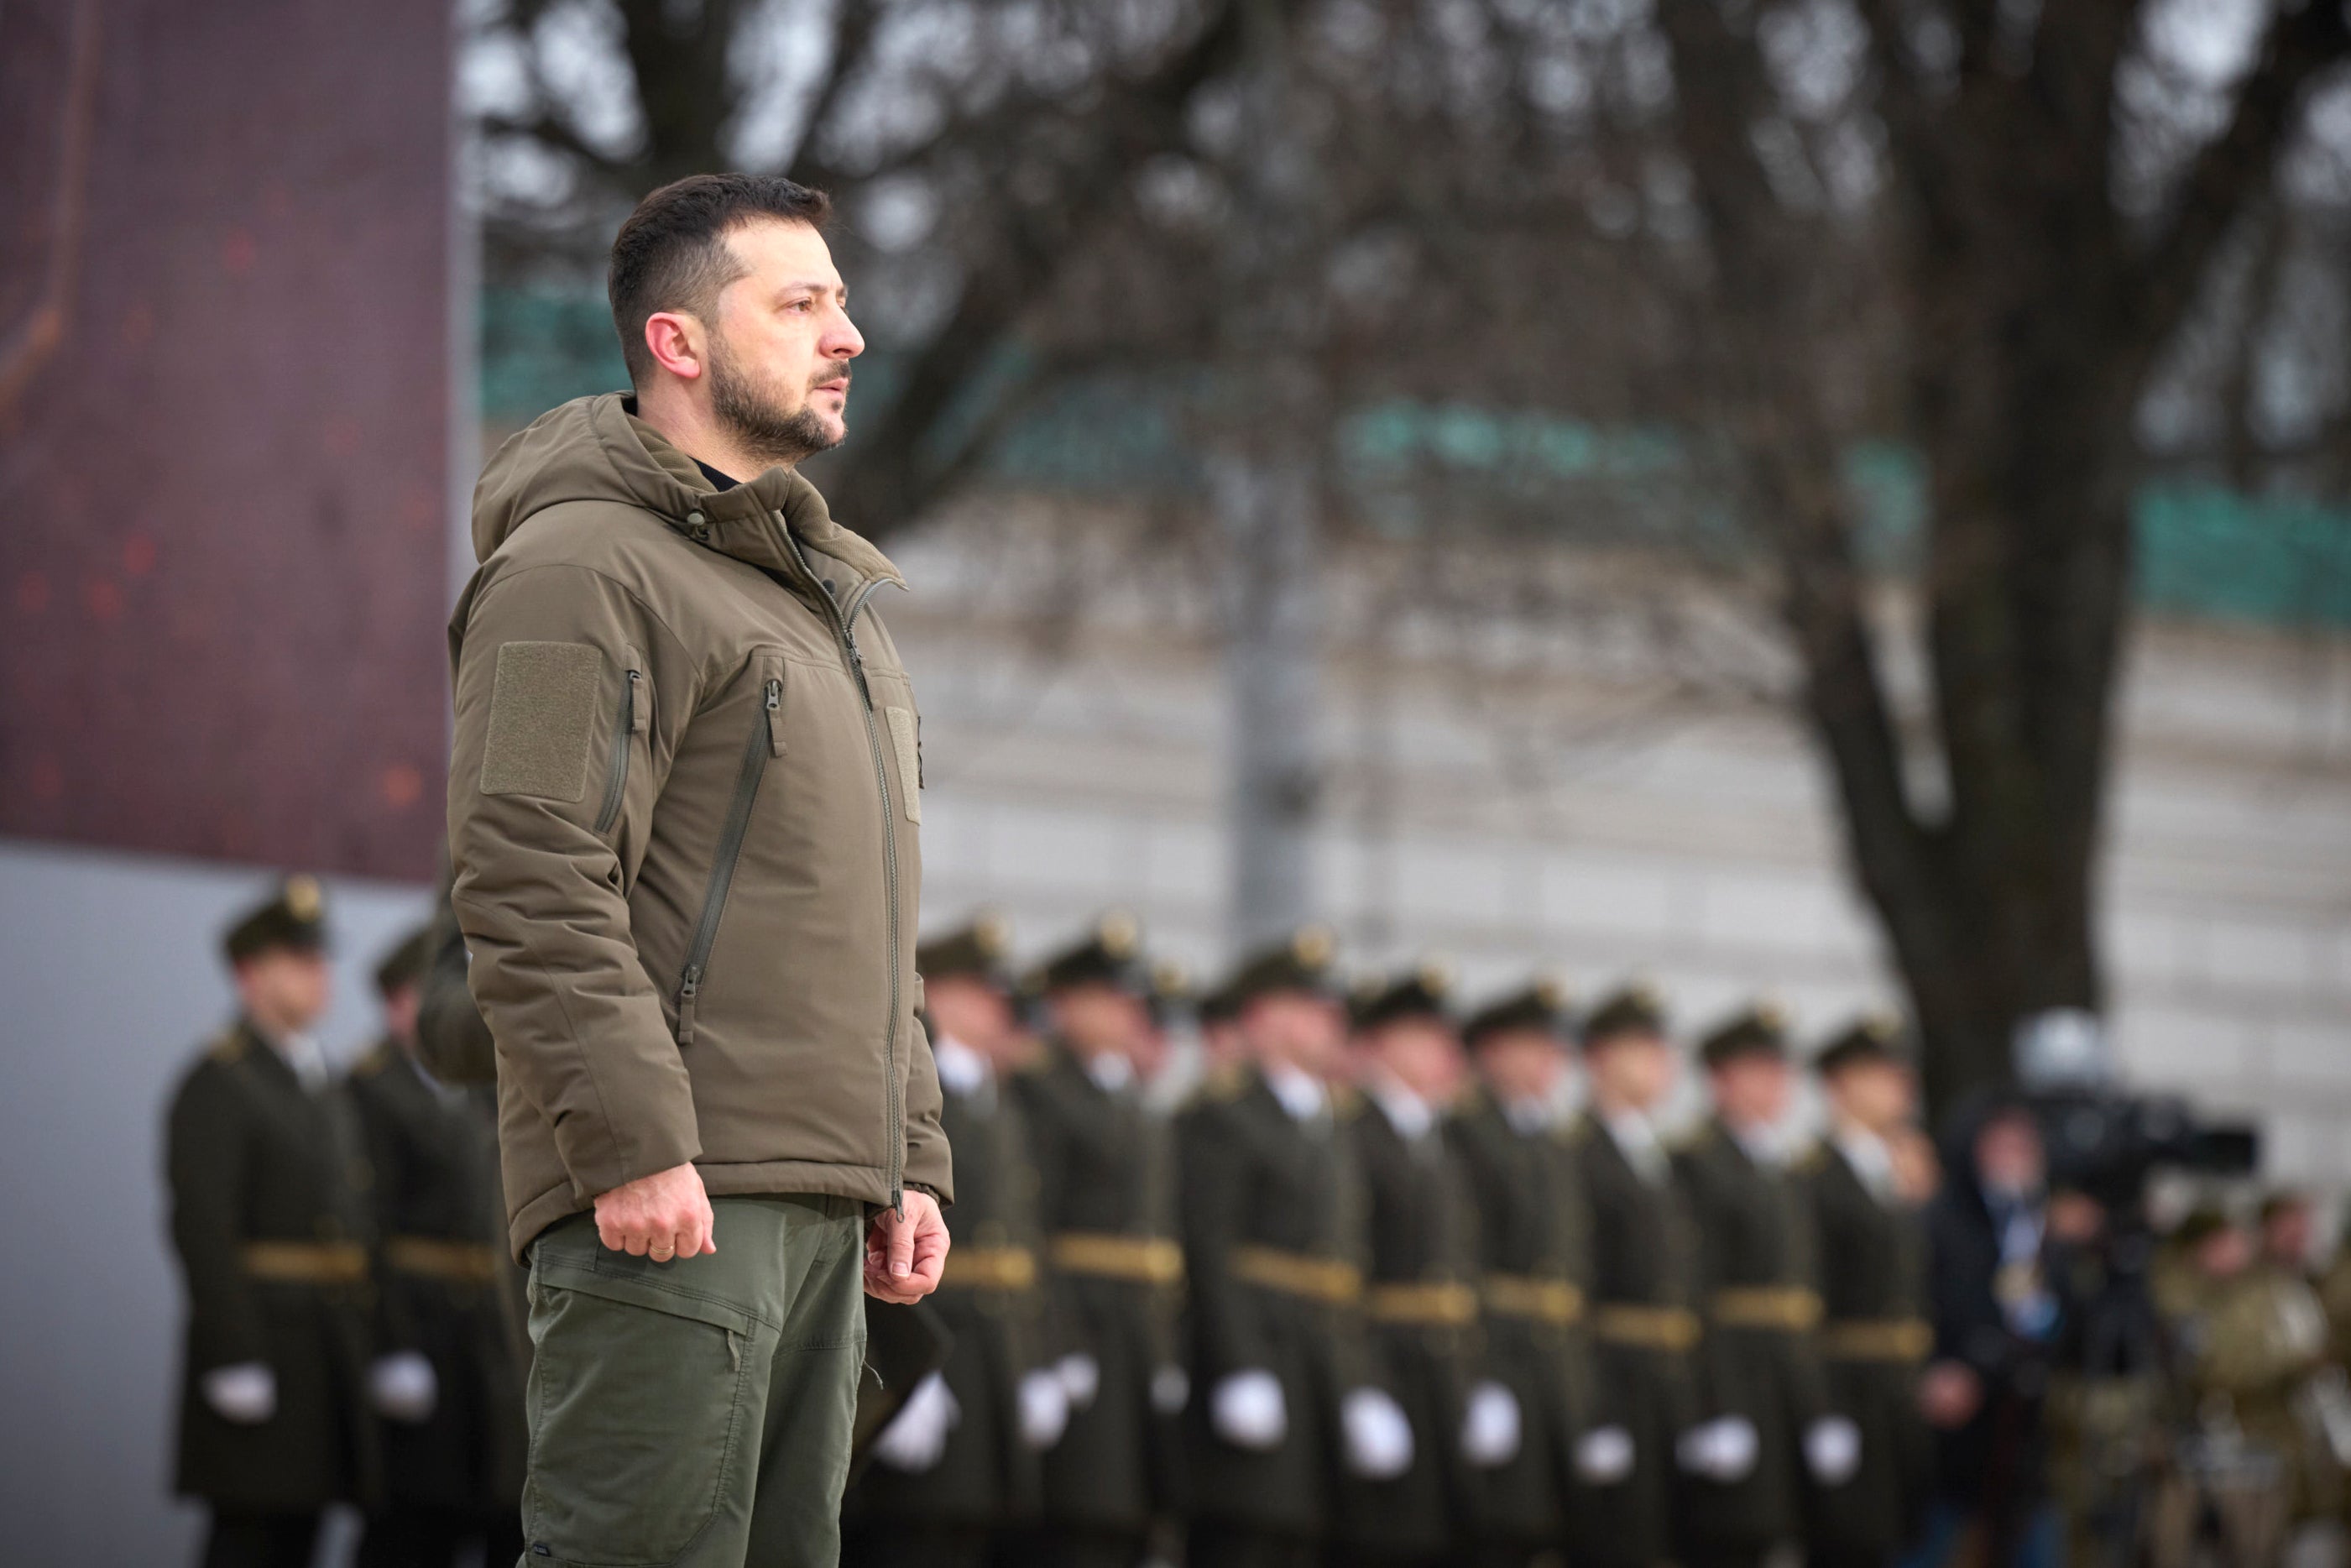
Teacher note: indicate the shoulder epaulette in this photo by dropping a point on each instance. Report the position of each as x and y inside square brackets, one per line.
[229, 1045]
[1225, 1082]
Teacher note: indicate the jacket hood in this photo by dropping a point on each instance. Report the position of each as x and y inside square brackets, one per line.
[595, 449]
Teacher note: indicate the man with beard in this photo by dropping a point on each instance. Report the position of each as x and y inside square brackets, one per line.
[1107, 1194]
[683, 803]
[1532, 1254]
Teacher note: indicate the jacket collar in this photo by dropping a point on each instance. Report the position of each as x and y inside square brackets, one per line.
[748, 522]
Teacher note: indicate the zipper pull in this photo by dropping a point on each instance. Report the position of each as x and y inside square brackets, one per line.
[775, 695]
[685, 993]
[857, 664]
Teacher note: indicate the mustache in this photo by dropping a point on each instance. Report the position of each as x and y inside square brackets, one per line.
[828, 377]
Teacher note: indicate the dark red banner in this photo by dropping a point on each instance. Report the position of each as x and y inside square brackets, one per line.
[224, 413]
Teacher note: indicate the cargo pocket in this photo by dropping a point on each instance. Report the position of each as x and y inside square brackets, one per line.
[641, 1396]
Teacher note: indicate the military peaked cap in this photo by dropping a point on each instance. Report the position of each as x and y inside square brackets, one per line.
[1542, 1006]
[1638, 1008]
[1425, 990]
[979, 948]
[1758, 1029]
[294, 919]
[1875, 1036]
[406, 963]
[1111, 954]
[1301, 963]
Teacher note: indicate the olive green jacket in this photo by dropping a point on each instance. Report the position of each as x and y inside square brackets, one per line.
[683, 796]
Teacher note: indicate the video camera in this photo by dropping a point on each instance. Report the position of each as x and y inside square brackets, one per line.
[2101, 1141]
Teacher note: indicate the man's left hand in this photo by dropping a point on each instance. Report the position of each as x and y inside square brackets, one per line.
[905, 1248]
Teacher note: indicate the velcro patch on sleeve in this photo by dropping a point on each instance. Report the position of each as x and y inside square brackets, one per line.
[910, 763]
[542, 720]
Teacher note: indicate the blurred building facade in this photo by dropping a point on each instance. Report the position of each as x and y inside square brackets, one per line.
[1583, 815]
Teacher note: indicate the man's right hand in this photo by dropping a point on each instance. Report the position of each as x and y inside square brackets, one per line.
[662, 1216]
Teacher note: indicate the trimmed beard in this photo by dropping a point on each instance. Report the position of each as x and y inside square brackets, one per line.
[750, 410]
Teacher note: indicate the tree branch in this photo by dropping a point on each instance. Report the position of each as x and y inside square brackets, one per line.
[2233, 168]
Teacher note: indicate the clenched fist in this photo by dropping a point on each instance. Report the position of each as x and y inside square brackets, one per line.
[662, 1216]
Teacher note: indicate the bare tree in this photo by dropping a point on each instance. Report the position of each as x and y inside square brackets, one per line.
[2035, 299]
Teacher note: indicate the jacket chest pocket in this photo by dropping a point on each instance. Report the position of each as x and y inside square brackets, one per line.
[630, 724]
[763, 741]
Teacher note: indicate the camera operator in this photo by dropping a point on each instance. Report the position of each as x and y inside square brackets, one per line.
[2002, 1262]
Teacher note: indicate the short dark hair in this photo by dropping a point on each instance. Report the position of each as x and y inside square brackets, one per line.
[672, 253]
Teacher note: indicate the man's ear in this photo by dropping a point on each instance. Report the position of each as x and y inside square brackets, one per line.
[675, 342]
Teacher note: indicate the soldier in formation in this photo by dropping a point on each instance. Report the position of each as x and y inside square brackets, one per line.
[1420, 1297]
[1643, 1324]
[269, 1219]
[1371, 1294]
[1874, 1334]
[958, 1469]
[447, 1382]
[1532, 1265]
[1106, 1199]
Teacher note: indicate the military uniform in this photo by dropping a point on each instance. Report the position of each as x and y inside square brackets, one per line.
[1644, 1329]
[270, 1229]
[1533, 1266]
[1759, 1361]
[1420, 1305]
[984, 1480]
[456, 1474]
[1874, 1335]
[1107, 1201]
[1272, 1209]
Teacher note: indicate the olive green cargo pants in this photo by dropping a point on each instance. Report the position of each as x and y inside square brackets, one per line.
[695, 1412]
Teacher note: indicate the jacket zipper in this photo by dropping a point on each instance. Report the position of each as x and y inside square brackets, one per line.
[730, 850]
[845, 627]
[616, 782]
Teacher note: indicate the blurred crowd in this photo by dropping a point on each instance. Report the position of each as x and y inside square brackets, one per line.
[1305, 1268]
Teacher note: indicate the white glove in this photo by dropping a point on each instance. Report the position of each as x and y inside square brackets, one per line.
[1604, 1456]
[916, 1437]
[1722, 1449]
[402, 1385]
[1379, 1438]
[1248, 1412]
[1080, 1375]
[1489, 1426]
[244, 1393]
[1833, 1449]
[1044, 1408]
[1171, 1390]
